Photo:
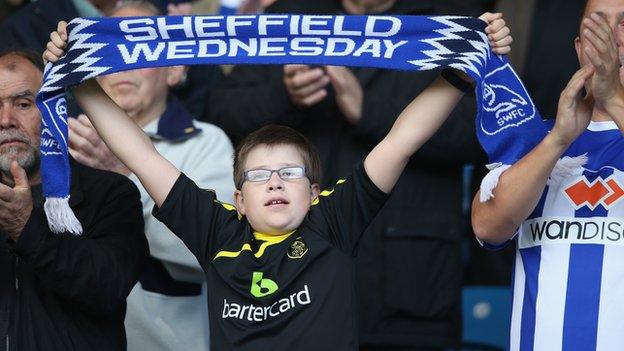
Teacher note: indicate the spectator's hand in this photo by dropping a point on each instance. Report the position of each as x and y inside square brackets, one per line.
[602, 52]
[349, 94]
[57, 44]
[15, 203]
[305, 85]
[574, 111]
[86, 146]
[181, 9]
[498, 33]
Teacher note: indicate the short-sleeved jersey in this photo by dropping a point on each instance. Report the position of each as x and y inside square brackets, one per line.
[289, 292]
[569, 269]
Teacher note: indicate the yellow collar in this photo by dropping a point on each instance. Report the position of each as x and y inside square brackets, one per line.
[273, 239]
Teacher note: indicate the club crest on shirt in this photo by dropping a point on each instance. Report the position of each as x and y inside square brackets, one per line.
[297, 249]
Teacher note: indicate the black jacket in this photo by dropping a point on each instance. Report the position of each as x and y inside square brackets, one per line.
[409, 260]
[30, 26]
[67, 292]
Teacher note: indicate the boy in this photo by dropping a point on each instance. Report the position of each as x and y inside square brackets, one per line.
[281, 269]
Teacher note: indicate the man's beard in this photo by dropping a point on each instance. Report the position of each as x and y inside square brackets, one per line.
[26, 155]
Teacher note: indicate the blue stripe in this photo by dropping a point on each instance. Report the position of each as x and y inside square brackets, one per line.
[580, 320]
[602, 148]
[539, 208]
[513, 292]
[531, 262]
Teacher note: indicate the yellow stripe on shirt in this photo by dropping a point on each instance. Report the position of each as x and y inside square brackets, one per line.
[232, 254]
[327, 192]
[268, 241]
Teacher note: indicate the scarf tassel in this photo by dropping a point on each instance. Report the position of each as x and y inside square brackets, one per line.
[562, 170]
[60, 216]
[490, 181]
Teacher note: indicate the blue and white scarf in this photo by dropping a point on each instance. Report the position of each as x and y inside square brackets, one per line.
[508, 124]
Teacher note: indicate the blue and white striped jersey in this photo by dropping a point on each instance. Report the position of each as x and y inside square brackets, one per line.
[569, 269]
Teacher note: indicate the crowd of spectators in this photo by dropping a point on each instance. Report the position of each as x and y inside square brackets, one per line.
[417, 253]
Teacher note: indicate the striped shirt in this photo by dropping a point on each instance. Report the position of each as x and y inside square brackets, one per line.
[569, 271]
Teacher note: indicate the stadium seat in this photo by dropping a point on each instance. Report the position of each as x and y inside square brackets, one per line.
[486, 316]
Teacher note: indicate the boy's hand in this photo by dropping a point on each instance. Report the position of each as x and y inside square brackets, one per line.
[498, 33]
[499, 38]
[57, 44]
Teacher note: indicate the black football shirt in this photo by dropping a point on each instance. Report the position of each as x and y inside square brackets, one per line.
[268, 293]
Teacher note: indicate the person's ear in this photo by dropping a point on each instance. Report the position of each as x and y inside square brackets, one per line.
[577, 46]
[240, 202]
[175, 75]
[315, 189]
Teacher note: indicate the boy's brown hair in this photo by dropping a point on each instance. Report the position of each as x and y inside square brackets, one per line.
[272, 135]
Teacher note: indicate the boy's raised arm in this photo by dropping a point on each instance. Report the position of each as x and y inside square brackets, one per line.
[122, 136]
[424, 116]
[415, 125]
[127, 141]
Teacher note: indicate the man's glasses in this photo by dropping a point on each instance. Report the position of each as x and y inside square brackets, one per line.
[286, 173]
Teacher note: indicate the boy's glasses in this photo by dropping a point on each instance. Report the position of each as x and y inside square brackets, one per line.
[286, 173]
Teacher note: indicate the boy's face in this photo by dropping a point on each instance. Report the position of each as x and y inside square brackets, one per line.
[276, 206]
